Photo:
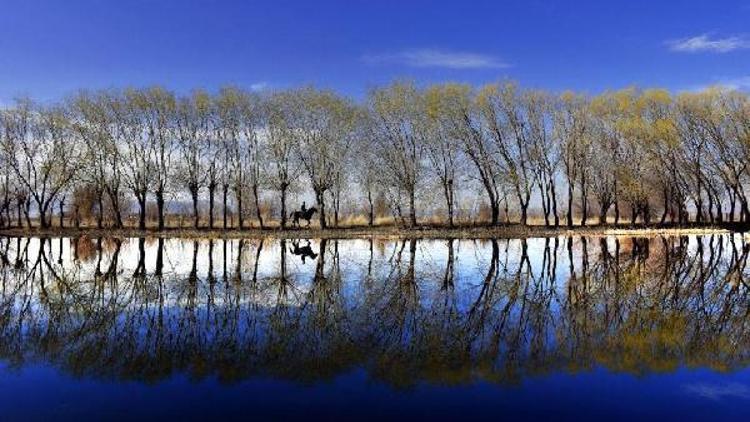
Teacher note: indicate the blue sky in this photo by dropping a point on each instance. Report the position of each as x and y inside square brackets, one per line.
[49, 49]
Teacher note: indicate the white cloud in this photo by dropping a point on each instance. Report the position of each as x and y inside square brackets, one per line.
[259, 86]
[718, 391]
[741, 83]
[437, 58]
[704, 42]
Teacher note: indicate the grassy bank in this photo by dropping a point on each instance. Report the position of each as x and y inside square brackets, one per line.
[423, 231]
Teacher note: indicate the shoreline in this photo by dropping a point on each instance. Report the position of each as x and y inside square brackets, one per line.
[421, 232]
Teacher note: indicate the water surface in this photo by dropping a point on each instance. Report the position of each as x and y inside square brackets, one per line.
[572, 328]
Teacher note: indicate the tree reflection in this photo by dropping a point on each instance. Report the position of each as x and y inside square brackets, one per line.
[437, 311]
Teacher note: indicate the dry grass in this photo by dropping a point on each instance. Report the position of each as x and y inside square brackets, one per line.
[357, 228]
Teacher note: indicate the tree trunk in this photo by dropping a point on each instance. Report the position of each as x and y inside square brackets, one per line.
[283, 205]
[19, 205]
[371, 215]
[257, 205]
[194, 196]
[62, 212]
[238, 192]
[114, 199]
[26, 208]
[141, 211]
[43, 223]
[495, 210]
[545, 202]
[570, 205]
[160, 207]
[525, 209]
[732, 204]
[336, 208]
[320, 199]
[224, 201]
[584, 208]
[745, 212]
[524, 212]
[412, 209]
[211, 195]
[448, 190]
[554, 204]
[100, 205]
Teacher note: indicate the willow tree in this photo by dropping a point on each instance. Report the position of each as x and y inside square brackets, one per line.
[634, 174]
[93, 123]
[137, 165]
[251, 113]
[605, 155]
[279, 143]
[693, 116]
[39, 146]
[325, 127]
[192, 126]
[400, 130]
[238, 113]
[157, 109]
[545, 150]
[444, 111]
[228, 129]
[476, 145]
[733, 150]
[660, 150]
[366, 171]
[571, 119]
[504, 109]
[649, 138]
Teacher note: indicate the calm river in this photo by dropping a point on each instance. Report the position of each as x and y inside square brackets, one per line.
[563, 328]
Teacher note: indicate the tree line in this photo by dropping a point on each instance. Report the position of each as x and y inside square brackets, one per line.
[486, 154]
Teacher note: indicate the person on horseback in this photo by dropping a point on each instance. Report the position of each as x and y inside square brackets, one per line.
[304, 214]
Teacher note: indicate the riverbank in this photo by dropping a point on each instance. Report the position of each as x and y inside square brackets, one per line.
[424, 231]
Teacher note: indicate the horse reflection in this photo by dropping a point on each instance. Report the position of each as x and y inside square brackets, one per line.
[303, 251]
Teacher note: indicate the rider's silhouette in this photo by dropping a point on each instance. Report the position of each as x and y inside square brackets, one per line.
[304, 208]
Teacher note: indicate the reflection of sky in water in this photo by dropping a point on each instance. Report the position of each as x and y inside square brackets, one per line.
[658, 330]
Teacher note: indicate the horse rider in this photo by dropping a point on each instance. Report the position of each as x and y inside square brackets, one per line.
[304, 208]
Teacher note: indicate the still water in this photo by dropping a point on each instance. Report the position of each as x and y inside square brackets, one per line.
[564, 328]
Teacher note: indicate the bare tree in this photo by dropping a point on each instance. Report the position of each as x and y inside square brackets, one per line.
[279, 142]
[138, 167]
[444, 123]
[325, 125]
[193, 128]
[37, 147]
[478, 147]
[505, 110]
[401, 130]
[571, 126]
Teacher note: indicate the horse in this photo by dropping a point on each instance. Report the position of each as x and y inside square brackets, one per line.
[303, 252]
[302, 215]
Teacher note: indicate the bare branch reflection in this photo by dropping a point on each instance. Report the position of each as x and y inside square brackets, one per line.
[406, 311]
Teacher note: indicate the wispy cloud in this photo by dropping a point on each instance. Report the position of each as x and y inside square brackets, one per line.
[259, 86]
[437, 58]
[718, 391]
[741, 83]
[704, 43]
